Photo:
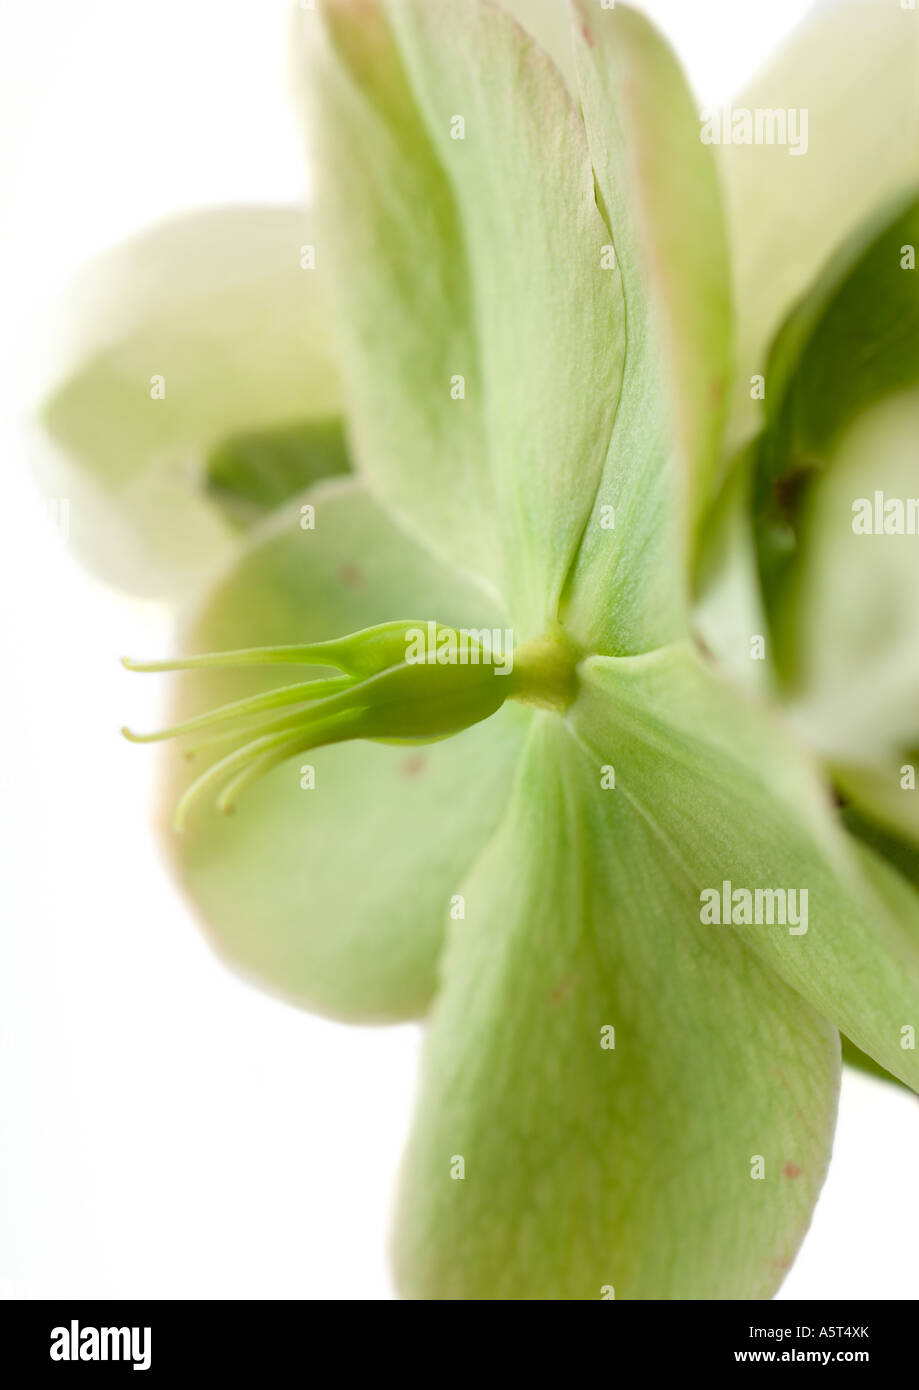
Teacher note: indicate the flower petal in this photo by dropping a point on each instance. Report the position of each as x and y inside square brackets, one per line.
[200, 337]
[830, 477]
[733, 798]
[848, 618]
[481, 336]
[337, 897]
[657, 187]
[588, 1168]
[847, 345]
[852, 68]
[885, 794]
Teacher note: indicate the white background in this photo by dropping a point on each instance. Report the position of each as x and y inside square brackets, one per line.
[165, 1130]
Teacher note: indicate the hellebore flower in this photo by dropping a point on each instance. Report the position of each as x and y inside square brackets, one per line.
[624, 893]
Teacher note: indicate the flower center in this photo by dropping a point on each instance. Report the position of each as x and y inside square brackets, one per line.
[402, 682]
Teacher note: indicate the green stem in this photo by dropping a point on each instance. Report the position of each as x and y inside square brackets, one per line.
[545, 673]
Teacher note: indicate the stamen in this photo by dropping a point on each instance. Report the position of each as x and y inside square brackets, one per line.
[312, 737]
[305, 692]
[266, 762]
[252, 656]
[268, 726]
[386, 693]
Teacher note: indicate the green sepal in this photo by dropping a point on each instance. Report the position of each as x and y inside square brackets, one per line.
[604, 1077]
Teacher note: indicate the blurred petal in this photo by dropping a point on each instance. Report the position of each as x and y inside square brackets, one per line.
[848, 616]
[658, 190]
[481, 337]
[589, 1167]
[899, 852]
[735, 800]
[216, 307]
[337, 897]
[850, 342]
[852, 66]
[840, 574]
[842, 620]
[252, 473]
[885, 794]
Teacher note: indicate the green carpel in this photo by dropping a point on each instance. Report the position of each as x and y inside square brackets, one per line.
[400, 682]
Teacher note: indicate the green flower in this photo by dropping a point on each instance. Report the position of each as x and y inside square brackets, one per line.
[605, 861]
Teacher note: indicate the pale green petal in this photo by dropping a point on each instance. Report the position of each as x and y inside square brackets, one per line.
[658, 190]
[849, 343]
[468, 265]
[586, 1168]
[836, 469]
[852, 341]
[337, 897]
[850, 617]
[215, 304]
[734, 799]
[853, 66]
